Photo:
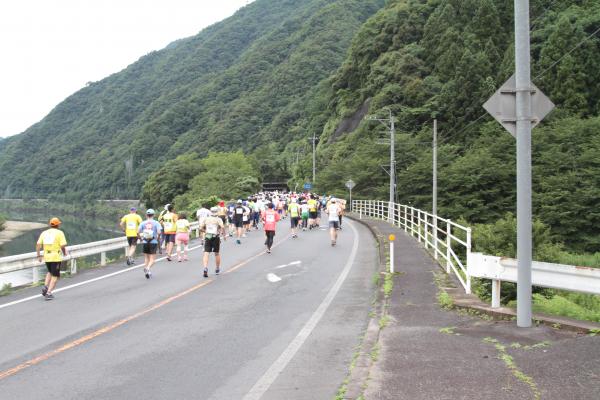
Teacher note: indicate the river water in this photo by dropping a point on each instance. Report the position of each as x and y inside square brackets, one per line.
[77, 230]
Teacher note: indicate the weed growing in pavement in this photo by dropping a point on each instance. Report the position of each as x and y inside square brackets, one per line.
[444, 300]
[384, 321]
[449, 330]
[375, 352]
[509, 362]
[594, 332]
[376, 278]
[388, 284]
[6, 289]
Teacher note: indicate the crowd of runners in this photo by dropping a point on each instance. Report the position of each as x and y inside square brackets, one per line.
[169, 231]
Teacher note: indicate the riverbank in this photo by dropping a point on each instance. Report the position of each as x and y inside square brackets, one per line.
[14, 229]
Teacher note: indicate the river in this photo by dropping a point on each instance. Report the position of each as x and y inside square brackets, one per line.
[77, 230]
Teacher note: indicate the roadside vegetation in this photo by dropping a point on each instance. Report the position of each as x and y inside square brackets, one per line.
[2, 222]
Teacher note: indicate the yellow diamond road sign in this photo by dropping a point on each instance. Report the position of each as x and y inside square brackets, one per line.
[503, 106]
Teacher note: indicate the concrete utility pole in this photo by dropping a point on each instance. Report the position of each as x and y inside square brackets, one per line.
[314, 146]
[434, 201]
[524, 119]
[392, 160]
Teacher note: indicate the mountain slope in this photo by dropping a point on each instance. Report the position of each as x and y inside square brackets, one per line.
[237, 84]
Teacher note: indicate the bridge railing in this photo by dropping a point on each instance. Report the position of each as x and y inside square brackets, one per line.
[30, 261]
[449, 242]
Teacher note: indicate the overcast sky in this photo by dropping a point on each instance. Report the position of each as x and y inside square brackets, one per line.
[51, 48]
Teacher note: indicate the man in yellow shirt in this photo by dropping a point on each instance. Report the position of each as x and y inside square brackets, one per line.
[131, 223]
[169, 223]
[54, 244]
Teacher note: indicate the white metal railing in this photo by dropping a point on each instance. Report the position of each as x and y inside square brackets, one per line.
[557, 276]
[449, 241]
[30, 261]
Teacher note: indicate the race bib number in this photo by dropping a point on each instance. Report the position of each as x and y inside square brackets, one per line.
[131, 225]
[245, 218]
[168, 226]
[270, 218]
[212, 229]
[239, 211]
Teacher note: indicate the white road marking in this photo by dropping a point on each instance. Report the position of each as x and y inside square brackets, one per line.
[265, 382]
[38, 296]
[288, 265]
[273, 278]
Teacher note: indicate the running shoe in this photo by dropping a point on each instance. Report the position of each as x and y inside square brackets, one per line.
[147, 273]
[205, 273]
[217, 271]
[268, 251]
[179, 259]
[128, 262]
[49, 296]
[332, 243]
[168, 258]
[44, 290]
[238, 241]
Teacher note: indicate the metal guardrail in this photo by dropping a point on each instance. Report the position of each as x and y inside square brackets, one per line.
[556, 276]
[29, 260]
[439, 234]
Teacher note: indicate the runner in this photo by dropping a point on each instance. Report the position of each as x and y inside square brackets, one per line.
[256, 212]
[246, 218]
[213, 227]
[238, 220]
[54, 244]
[334, 212]
[161, 241]
[130, 224]
[149, 232]
[222, 213]
[230, 213]
[312, 211]
[168, 221]
[182, 238]
[201, 215]
[305, 214]
[343, 210]
[270, 218]
[294, 211]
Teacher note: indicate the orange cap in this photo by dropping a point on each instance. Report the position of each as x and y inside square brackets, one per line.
[55, 222]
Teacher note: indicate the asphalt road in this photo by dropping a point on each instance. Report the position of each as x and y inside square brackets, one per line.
[278, 326]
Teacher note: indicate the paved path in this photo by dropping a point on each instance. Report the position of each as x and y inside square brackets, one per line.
[180, 336]
[430, 353]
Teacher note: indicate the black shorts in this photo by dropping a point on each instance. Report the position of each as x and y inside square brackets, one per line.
[334, 224]
[54, 268]
[238, 223]
[230, 220]
[294, 222]
[212, 245]
[170, 237]
[132, 240]
[223, 218]
[150, 248]
[312, 215]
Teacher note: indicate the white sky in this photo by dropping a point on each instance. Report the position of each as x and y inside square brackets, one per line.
[51, 48]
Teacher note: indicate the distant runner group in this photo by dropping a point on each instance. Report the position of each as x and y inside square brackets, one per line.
[171, 231]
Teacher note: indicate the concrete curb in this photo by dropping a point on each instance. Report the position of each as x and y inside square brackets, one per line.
[359, 375]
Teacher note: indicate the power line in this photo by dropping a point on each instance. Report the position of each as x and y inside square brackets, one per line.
[567, 53]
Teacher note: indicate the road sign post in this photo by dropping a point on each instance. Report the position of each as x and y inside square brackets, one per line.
[350, 185]
[519, 106]
[392, 239]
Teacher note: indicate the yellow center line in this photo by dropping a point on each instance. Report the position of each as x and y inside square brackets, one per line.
[115, 325]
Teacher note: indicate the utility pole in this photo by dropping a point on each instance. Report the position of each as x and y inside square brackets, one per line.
[392, 162]
[523, 133]
[314, 145]
[434, 201]
[392, 173]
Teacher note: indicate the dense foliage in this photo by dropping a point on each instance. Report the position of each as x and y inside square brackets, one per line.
[240, 83]
[2, 222]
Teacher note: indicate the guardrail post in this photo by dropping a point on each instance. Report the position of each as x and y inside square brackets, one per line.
[36, 275]
[103, 259]
[435, 237]
[419, 225]
[496, 285]
[73, 266]
[426, 229]
[412, 221]
[468, 289]
[405, 218]
[448, 245]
